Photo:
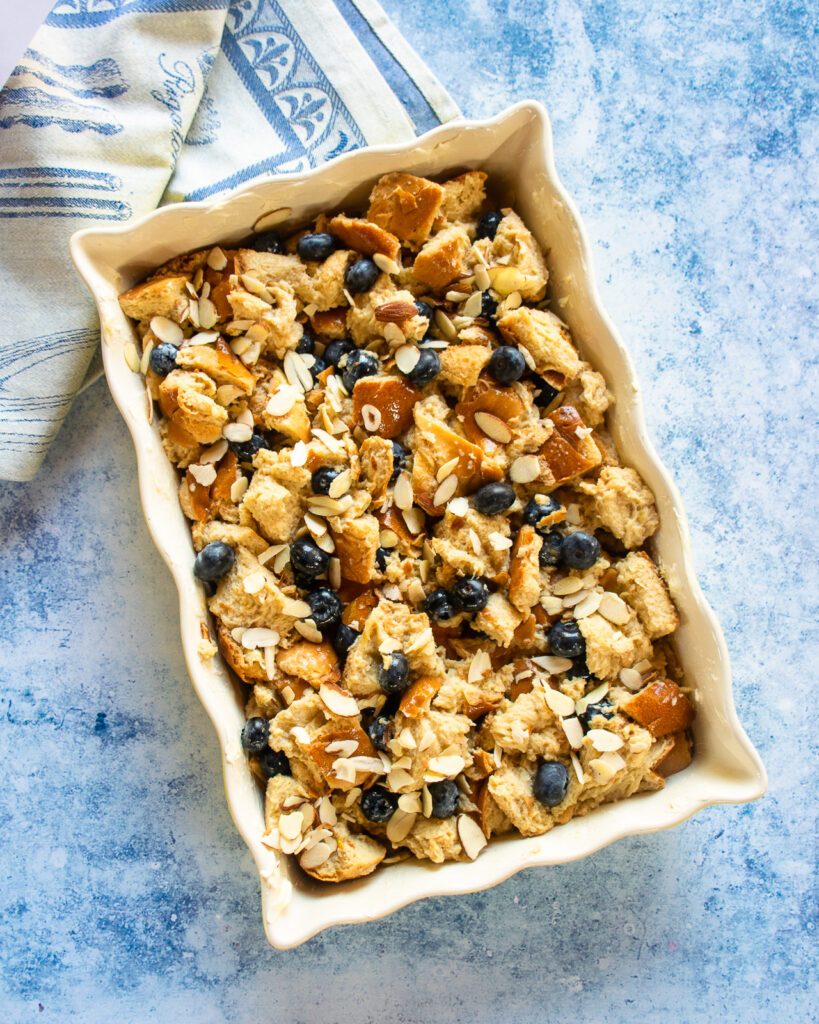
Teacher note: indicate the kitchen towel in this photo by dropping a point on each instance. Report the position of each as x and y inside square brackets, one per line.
[121, 105]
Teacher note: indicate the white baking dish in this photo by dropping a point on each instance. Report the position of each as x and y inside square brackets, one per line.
[516, 149]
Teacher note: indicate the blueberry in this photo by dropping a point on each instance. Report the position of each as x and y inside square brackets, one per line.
[336, 349]
[245, 450]
[566, 640]
[424, 309]
[488, 224]
[395, 677]
[507, 364]
[579, 669]
[307, 558]
[399, 459]
[381, 556]
[322, 478]
[378, 804]
[444, 798]
[360, 363]
[213, 561]
[550, 783]
[579, 550]
[267, 241]
[255, 734]
[426, 369]
[345, 637]
[489, 306]
[378, 729]
[470, 594]
[535, 511]
[303, 581]
[163, 358]
[325, 607]
[274, 762]
[317, 367]
[306, 345]
[361, 276]
[545, 394]
[550, 549]
[492, 499]
[438, 605]
[316, 247]
[602, 707]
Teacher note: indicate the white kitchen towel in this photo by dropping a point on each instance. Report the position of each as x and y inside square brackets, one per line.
[120, 105]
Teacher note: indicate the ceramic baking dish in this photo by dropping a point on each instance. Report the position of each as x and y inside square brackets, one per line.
[516, 149]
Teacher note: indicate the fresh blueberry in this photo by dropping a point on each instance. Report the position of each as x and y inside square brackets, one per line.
[492, 499]
[489, 306]
[322, 478]
[549, 555]
[535, 511]
[245, 450]
[470, 594]
[507, 364]
[255, 734]
[579, 669]
[303, 581]
[395, 677]
[378, 729]
[488, 224]
[602, 707]
[378, 804]
[566, 640]
[213, 561]
[399, 460]
[274, 762]
[361, 276]
[426, 369]
[550, 783]
[307, 558]
[345, 637]
[163, 358]
[336, 349]
[381, 556]
[325, 607]
[579, 550]
[318, 366]
[424, 309]
[360, 363]
[545, 394]
[438, 605]
[267, 241]
[316, 247]
[306, 345]
[444, 798]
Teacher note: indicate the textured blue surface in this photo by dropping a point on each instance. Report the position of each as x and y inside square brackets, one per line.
[686, 135]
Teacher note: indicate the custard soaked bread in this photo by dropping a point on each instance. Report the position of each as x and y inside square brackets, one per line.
[423, 554]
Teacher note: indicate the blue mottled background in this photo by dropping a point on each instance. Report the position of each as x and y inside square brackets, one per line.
[686, 133]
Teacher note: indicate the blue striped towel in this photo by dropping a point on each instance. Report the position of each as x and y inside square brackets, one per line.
[121, 105]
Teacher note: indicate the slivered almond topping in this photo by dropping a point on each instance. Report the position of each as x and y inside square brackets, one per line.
[237, 432]
[479, 666]
[250, 357]
[238, 488]
[207, 314]
[482, 278]
[339, 702]
[588, 606]
[592, 697]
[448, 766]
[202, 338]
[603, 740]
[216, 259]
[388, 539]
[214, 453]
[631, 678]
[281, 559]
[399, 826]
[256, 332]
[290, 825]
[458, 507]
[578, 770]
[445, 490]
[414, 518]
[145, 362]
[445, 325]
[259, 636]
[447, 468]
[255, 287]
[315, 856]
[398, 778]
[203, 475]
[344, 747]
[573, 600]
[283, 400]
[524, 469]
[386, 265]
[493, 427]
[307, 628]
[326, 811]
[254, 582]
[406, 739]
[371, 417]
[298, 456]
[406, 358]
[574, 732]
[402, 492]
[296, 609]
[166, 330]
[614, 608]
[410, 803]
[395, 312]
[498, 542]
[419, 641]
[394, 335]
[471, 835]
[558, 702]
[296, 371]
[605, 767]
[315, 524]
[341, 484]
[568, 585]
[472, 306]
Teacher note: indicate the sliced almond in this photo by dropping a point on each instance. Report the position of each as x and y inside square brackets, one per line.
[558, 702]
[238, 488]
[414, 518]
[574, 732]
[588, 606]
[480, 665]
[524, 469]
[385, 264]
[578, 769]
[237, 432]
[493, 427]
[614, 608]
[631, 678]
[280, 403]
[447, 766]
[388, 539]
[307, 628]
[458, 507]
[339, 702]
[568, 585]
[254, 582]
[291, 825]
[445, 325]
[471, 835]
[203, 475]
[214, 453]
[315, 856]
[445, 490]
[482, 278]
[402, 492]
[552, 663]
[166, 330]
[216, 259]
[472, 306]
[406, 358]
[341, 484]
[603, 740]
[605, 767]
[259, 637]
[447, 468]
[400, 825]
[296, 609]
[592, 697]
